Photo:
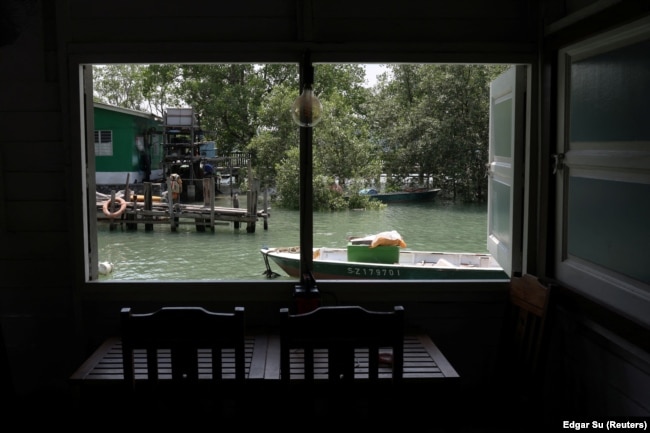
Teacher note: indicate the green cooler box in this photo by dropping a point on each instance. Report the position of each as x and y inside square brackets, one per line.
[381, 254]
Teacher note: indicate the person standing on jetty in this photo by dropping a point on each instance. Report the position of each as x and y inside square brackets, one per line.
[176, 187]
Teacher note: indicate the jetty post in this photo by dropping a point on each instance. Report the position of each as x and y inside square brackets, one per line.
[148, 199]
[170, 200]
[251, 197]
[212, 195]
[129, 198]
[235, 204]
[266, 207]
[111, 208]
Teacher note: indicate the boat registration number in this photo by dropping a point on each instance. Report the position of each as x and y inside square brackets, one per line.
[372, 272]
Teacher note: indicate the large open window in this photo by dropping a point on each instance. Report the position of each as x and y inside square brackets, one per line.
[416, 128]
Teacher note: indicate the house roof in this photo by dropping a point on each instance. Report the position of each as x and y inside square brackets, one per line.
[127, 111]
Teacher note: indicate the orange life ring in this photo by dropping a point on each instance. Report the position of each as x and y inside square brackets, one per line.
[118, 212]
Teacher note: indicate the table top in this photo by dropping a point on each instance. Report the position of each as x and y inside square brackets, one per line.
[423, 362]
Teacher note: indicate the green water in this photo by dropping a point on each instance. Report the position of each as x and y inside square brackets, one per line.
[230, 254]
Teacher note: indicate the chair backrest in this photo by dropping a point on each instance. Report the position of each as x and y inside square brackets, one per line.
[182, 344]
[524, 328]
[342, 343]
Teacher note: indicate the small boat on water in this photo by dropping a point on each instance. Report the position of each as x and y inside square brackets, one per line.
[406, 196]
[386, 262]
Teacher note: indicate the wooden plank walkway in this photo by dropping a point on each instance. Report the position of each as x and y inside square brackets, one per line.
[178, 214]
[175, 214]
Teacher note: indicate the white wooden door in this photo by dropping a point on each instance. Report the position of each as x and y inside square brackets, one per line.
[505, 183]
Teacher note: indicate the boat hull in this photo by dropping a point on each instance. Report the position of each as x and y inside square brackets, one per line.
[405, 196]
[330, 264]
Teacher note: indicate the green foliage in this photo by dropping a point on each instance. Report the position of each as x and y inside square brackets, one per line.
[431, 121]
[276, 132]
[161, 87]
[358, 201]
[341, 148]
[226, 96]
[325, 196]
[119, 85]
[287, 180]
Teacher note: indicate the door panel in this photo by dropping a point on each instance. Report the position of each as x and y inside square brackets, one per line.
[507, 97]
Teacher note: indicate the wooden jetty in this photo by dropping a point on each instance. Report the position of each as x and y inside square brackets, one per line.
[131, 212]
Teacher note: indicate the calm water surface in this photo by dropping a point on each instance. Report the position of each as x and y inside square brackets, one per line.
[227, 253]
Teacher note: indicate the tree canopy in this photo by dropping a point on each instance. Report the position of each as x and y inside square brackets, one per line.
[425, 123]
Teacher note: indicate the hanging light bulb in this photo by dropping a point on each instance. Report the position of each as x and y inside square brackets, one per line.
[307, 109]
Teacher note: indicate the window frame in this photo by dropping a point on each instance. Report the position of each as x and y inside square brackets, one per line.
[99, 145]
[603, 161]
[200, 290]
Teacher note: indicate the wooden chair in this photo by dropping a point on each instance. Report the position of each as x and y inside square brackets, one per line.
[182, 353]
[520, 369]
[342, 343]
[524, 341]
[341, 363]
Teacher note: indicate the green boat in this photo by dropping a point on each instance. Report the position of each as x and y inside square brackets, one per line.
[386, 263]
[406, 196]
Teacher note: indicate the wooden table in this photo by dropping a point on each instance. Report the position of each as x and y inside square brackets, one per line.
[429, 383]
[423, 362]
[104, 366]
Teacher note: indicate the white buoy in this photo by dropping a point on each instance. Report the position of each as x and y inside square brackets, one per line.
[105, 268]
